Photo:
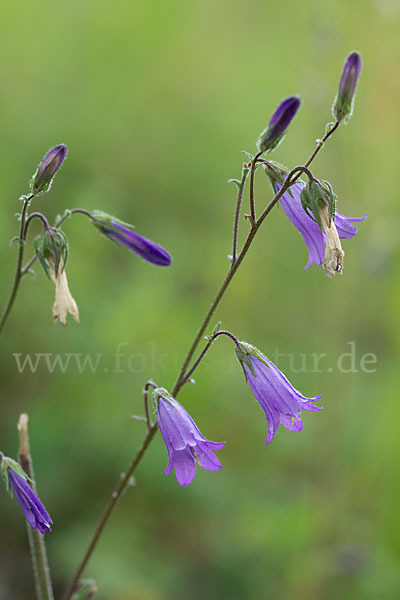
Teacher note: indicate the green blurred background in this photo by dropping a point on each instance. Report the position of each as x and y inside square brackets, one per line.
[155, 101]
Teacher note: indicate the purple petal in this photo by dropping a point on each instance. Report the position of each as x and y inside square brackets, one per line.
[344, 225]
[310, 405]
[147, 249]
[350, 74]
[206, 458]
[185, 467]
[291, 423]
[272, 422]
[269, 388]
[34, 511]
[175, 433]
[313, 237]
[170, 465]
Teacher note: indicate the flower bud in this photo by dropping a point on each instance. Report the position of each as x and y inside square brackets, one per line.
[343, 105]
[44, 174]
[122, 233]
[18, 483]
[273, 134]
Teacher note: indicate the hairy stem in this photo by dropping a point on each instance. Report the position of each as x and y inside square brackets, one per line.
[18, 270]
[237, 215]
[41, 572]
[252, 173]
[206, 349]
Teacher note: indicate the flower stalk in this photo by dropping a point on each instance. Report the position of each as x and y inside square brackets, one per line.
[18, 271]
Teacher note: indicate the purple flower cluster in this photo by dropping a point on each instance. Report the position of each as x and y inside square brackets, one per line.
[187, 447]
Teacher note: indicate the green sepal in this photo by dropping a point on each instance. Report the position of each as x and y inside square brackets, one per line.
[16, 240]
[88, 588]
[53, 244]
[161, 393]
[249, 156]
[243, 350]
[275, 172]
[314, 196]
[9, 463]
[217, 327]
[237, 182]
[103, 222]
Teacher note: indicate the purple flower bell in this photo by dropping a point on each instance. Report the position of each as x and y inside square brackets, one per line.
[280, 401]
[186, 446]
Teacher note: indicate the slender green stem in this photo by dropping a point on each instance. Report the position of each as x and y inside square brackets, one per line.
[318, 147]
[206, 349]
[149, 384]
[18, 270]
[44, 590]
[252, 173]
[184, 373]
[237, 214]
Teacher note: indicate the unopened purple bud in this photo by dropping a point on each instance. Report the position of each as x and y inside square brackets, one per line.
[44, 175]
[273, 134]
[122, 233]
[343, 105]
[16, 481]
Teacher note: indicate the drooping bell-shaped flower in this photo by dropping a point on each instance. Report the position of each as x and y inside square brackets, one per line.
[280, 121]
[323, 242]
[122, 233]
[186, 446]
[44, 174]
[343, 104]
[280, 401]
[33, 509]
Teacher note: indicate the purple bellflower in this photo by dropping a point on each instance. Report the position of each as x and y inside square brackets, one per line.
[34, 511]
[186, 446]
[343, 104]
[280, 401]
[122, 233]
[280, 121]
[44, 175]
[323, 245]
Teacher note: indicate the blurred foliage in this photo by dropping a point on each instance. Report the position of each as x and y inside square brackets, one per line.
[155, 101]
